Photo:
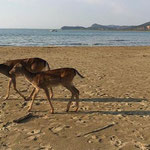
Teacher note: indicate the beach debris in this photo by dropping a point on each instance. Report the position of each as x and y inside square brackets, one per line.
[97, 130]
[23, 118]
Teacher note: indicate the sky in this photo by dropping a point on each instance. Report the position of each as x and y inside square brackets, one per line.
[57, 13]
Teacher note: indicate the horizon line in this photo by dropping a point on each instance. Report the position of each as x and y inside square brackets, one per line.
[67, 25]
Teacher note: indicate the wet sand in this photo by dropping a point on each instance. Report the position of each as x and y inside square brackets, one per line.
[114, 109]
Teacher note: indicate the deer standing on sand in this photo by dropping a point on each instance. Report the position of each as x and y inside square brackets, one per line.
[31, 64]
[45, 79]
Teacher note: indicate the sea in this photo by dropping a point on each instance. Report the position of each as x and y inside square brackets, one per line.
[48, 37]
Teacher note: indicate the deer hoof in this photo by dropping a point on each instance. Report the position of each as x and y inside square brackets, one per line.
[6, 97]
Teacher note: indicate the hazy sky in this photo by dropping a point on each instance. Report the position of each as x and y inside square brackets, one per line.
[57, 13]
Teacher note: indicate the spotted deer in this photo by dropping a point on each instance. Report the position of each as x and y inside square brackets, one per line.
[31, 64]
[44, 80]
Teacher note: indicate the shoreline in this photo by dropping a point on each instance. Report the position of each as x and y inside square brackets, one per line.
[51, 46]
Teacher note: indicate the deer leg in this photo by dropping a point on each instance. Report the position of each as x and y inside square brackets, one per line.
[8, 90]
[48, 97]
[14, 84]
[31, 94]
[76, 92]
[77, 103]
[51, 93]
[69, 87]
[69, 103]
[33, 97]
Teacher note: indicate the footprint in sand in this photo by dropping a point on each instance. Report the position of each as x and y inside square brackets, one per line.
[116, 141]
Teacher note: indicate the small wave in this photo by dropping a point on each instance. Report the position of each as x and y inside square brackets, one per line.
[102, 44]
[119, 40]
[97, 44]
[77, 44]
[71, 44]
[6, 45]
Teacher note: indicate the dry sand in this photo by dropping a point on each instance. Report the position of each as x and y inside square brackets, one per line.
[115, 91]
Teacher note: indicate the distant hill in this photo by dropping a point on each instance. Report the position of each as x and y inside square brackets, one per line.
[72, 28]
[142, 27]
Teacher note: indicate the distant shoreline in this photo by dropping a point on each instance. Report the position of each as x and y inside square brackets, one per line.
[142, 27]
[74, 29]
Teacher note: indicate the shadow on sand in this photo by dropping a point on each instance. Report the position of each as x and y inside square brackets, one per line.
[106, 100]
[135, 112]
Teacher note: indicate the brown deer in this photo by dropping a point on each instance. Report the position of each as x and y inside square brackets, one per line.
[31, 64]
[45, 79]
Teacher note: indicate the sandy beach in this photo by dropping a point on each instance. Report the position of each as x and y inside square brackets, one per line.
[114, 111]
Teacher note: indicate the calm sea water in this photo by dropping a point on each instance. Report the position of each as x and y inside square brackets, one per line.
[45, 37]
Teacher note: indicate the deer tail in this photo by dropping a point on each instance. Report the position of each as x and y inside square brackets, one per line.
[79, 74]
